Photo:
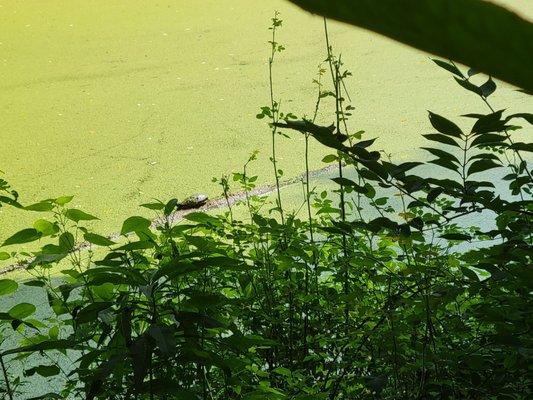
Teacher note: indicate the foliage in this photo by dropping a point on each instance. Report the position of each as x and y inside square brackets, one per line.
[468, 31]
[371, 295]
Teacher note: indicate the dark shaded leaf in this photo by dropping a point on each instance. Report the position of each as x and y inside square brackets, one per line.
[47, 396]
[456, 236]
[419, 23]
[488, 88]
[489, 123]
[438, 137]
[445, 164]
[43, 346]
[324, 135]
[66, 242]
[444, 155]
[519, 146]
[449, 67]
[469, 86]
[482, 165]
[487, 139]
[139, 245]
[90, 312]
[141, 353]
[164, 339]
[23, 236]
[444, 125]
[433, 194]
[43, 370]
[97, 239]
[527, 116]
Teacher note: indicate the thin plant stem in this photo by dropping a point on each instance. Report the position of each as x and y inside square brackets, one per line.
[335, 76]
[274, 108]
[6, 379]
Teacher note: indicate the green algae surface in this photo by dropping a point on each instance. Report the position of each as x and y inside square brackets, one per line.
[120, 102]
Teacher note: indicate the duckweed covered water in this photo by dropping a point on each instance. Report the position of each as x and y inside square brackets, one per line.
[119, 102]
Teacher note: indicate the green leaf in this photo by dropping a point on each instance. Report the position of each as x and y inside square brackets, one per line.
[164, 338]
[482, 274]
[323, 134]
[527, 116]
[449, 29]
[434, 193]
[475, 361]
[154, 206]
[66, 242]
[170, 206]
[43, 346]
[203, 218]
[48, 396]
[330, 158]
[487, 156]
[90, 313]
[40, 207]
[488, 88]
[139, 245]
[444, 125]
[283, 371]
[438, 137]
[45, 227]
[78, 215]
[21, 310]
[489, 123]
[487, 139]
[7, 286]
[35, 283]
[519, 146]
[43, 370]
[444, 155]
[456, 236]
[449, 67]
[97, 239]
[4, 256]
[61, 201]
[469, 86]
[482, 165]
[23, 236]
[135, 224]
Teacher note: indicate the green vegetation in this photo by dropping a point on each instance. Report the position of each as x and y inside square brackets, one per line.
[379, 288]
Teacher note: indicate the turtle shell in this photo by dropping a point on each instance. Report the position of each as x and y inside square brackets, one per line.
[193, 201]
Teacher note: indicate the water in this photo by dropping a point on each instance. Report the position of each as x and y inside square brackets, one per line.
[117, 103]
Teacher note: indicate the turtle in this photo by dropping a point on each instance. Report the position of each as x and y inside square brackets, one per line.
[194, 201]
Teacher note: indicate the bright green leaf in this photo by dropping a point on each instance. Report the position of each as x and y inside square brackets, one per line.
[78, 215]
[21, 310]
[7, 286]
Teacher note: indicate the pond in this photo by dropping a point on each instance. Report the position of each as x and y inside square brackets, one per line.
[120, 102]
